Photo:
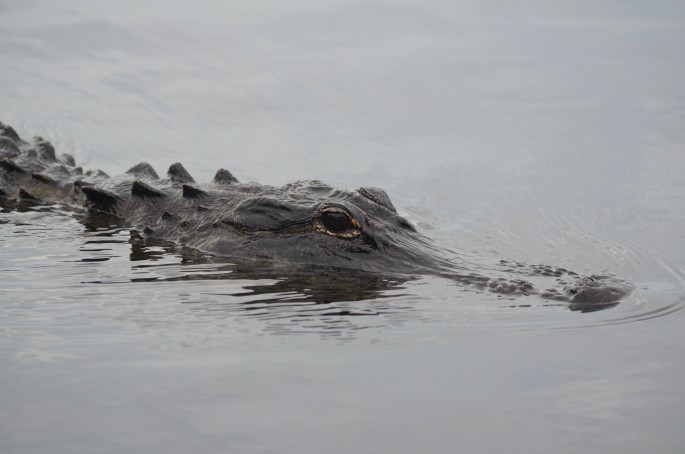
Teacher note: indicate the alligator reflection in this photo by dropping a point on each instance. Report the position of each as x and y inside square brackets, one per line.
[282, 286]
[273, 284]
[321, 288]
[311, 285]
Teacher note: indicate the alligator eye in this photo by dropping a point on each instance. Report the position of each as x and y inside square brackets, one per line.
[336, 222]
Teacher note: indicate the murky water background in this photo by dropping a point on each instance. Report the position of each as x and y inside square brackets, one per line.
[536, 132]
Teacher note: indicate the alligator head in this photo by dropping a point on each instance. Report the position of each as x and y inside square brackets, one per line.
[306, 223]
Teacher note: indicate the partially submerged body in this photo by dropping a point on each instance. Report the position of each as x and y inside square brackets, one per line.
[306, 225]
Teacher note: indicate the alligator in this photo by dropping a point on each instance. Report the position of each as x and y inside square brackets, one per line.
[305, 225]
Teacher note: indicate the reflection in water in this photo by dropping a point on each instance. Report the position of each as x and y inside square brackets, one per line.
[326, 284]
[321, 288]
[290, 285]
[327, 300]
[292, 301]
[270, 284]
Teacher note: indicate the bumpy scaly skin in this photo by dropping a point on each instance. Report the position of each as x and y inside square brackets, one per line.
[306, 223]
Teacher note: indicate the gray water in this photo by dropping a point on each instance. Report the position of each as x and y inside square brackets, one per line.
[540, 132]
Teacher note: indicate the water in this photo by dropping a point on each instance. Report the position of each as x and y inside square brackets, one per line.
[537, 132]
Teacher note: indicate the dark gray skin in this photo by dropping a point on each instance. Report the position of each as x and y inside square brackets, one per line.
[306, 225]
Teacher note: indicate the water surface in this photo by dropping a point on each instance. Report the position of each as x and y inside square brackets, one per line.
[538, 132]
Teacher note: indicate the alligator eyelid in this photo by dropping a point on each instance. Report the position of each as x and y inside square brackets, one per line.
[334, 208]
[328, 206]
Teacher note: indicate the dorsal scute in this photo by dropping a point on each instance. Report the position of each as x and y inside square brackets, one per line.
[96, 173]
[10, 166]
[100, 199]
[42, 178]
[45, 150]
[26, 195]
[143, 190]
[8, 148]
[8, 131]
[178, 174]
[192, 192]
[224, 177]
[68, 159]
[143, 169]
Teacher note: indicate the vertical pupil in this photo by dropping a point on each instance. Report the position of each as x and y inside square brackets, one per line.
[335, 222]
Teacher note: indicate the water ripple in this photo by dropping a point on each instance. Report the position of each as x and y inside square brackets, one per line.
[97, 273]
